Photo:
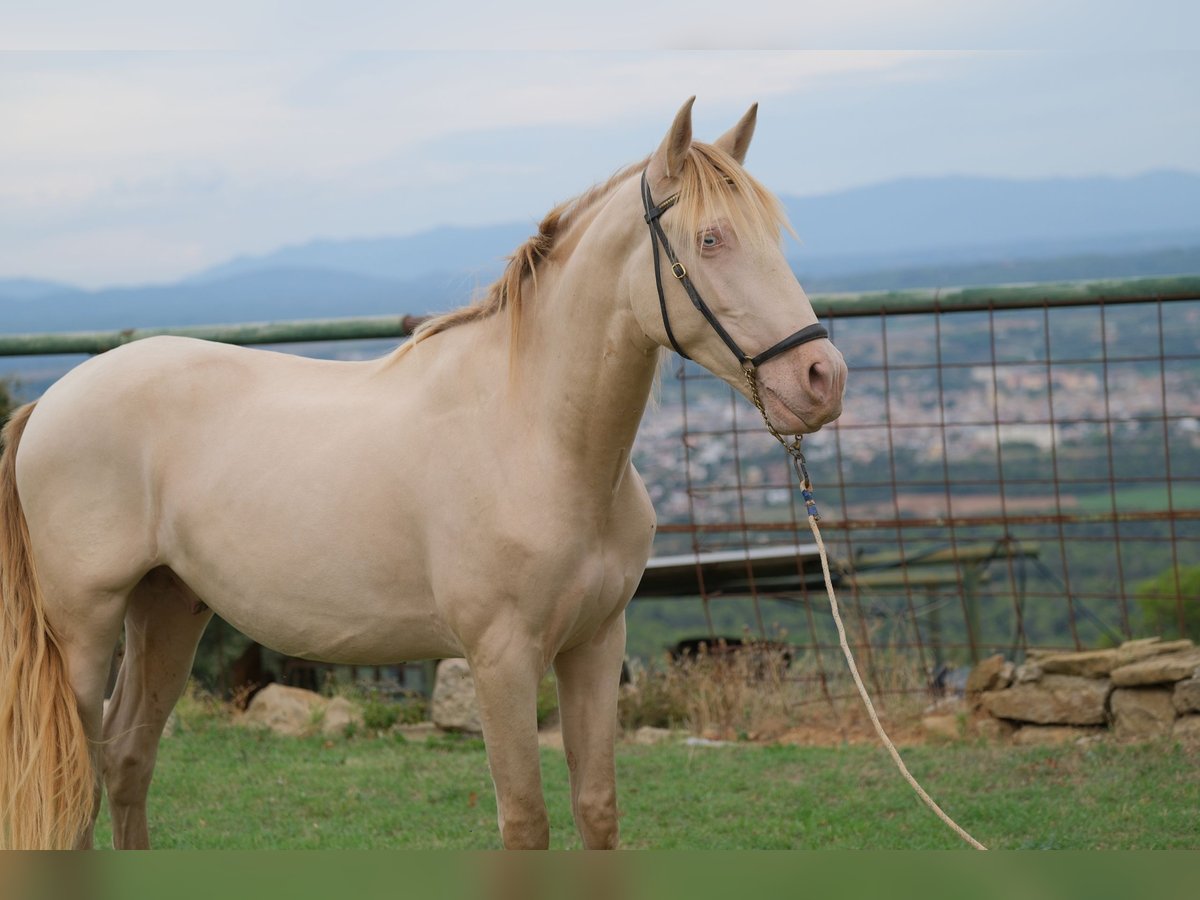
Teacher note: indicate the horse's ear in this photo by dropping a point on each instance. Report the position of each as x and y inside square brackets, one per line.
[736, 141]
[667, 160]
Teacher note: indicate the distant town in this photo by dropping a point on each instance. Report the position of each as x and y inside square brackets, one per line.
[903, 431]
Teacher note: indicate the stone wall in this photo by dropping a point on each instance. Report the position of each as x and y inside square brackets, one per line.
[1142, 689]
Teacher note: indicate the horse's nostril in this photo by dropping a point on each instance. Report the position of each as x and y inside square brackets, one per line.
[818, 380]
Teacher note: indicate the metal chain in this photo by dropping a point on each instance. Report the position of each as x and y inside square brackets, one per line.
[792, 447]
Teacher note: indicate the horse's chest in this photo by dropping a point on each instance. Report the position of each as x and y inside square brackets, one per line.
[555, 567]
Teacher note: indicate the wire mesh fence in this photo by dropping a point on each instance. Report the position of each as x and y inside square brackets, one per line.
[1009, 472]
[1016, 467]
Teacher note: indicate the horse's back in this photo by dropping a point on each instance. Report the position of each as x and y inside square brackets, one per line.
[134, 385]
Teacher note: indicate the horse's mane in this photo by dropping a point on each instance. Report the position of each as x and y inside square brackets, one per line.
[711, 183]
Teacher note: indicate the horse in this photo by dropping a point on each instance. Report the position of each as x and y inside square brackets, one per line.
[469, 494]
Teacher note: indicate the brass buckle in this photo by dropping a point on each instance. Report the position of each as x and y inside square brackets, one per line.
[678, 270]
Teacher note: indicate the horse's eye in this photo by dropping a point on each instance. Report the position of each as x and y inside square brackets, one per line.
[709, 240]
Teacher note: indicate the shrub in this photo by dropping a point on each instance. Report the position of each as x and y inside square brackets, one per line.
[1160, 598]
[655, 697]
[737, 694]
[734, 693]
[381, 712]
[197, 709]
[380, 715]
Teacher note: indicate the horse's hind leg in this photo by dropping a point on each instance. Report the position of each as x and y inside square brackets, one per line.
[589, 679]
[161, 634]
[87, 647]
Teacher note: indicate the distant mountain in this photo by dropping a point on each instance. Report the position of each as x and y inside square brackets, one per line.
[445, 249]
[938, 232]
[891, 225]
[1075, 267]
[254, 296]
[983, 217]
[32, 288]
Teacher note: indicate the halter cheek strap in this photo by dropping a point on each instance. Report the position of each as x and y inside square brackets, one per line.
[658, 237]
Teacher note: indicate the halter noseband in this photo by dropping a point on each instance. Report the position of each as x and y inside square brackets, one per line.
[658, 237]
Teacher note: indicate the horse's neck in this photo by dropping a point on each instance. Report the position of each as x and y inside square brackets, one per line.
[584, 368]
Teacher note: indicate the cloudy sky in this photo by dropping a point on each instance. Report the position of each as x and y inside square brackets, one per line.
[138, 145]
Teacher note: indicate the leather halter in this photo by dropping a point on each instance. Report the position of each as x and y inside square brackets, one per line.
[658, 237]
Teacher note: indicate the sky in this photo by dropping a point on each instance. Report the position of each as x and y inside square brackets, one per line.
[139, 144]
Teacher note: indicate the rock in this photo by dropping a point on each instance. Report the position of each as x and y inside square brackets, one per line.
[1142, 712]
[285, 710]
[1054, 735]
[1028, 672]
[988, 675]
[454, 707]
[1141, 642]
[1008, 675]
[1158, 669]
[992, 729]
[1054, 700]
[1186, 730]
[1099, 663]
[1088, 663]
[1132, 651]
[942, 727]
[649, 735]
[340, 714]
[1187, 695]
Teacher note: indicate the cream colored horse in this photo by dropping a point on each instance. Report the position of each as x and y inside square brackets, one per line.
[469, 495]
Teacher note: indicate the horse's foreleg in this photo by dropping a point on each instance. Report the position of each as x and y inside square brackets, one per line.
[506, 678]
[588, 682]
[161, 634]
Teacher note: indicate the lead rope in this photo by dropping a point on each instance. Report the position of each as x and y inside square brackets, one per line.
[810, 505]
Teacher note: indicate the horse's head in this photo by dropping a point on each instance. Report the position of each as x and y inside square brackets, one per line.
[728, 299]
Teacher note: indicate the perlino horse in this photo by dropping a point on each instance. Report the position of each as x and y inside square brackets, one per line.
[471, 494]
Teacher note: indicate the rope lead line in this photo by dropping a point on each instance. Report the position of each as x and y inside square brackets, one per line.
[798, 463]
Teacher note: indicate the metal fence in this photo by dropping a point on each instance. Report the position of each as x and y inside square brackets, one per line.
[1015, 467]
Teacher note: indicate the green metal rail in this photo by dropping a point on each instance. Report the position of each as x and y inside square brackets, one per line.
[1138, 290]
[295, 332]
[1009, 296]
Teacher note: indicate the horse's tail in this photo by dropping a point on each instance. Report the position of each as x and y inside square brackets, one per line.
[46, 778]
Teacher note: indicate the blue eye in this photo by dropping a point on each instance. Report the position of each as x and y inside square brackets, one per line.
[710, 239]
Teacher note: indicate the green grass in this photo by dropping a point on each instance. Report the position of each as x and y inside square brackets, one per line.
[1147, 498]
[218, 786]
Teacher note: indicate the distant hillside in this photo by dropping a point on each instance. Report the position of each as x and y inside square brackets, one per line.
[915, 233]
[444, 249]
[300, 293]
[1175, 261]
[32, 288]
[884, 226]
[983, 216]
[317, 293]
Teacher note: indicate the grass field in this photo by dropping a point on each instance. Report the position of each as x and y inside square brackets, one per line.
[1143, 498]
[220, 786]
